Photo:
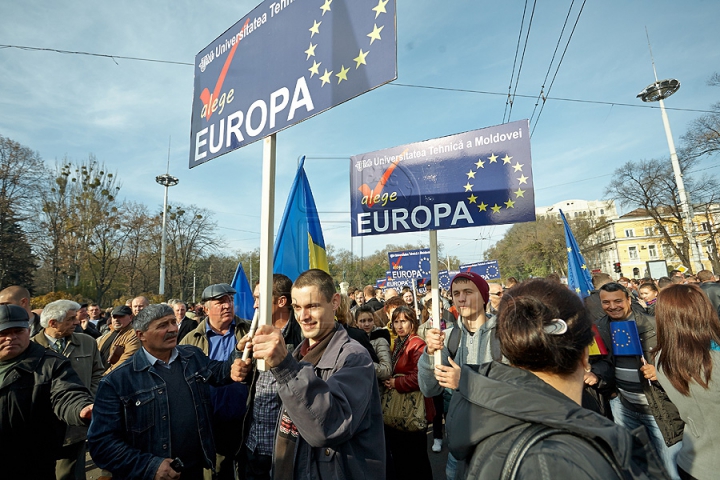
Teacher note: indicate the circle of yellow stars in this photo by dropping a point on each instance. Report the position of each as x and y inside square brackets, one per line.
[342, 75]
[479, 166]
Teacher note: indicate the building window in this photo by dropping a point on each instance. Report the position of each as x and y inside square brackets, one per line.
[602, 211]
[667, 251]
[652, 251]
[633, 253]
[648, 231]
[629, 232]
[675, 229]
[705, 226]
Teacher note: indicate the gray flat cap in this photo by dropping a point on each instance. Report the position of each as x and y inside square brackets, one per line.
[12, 316]
[217, 291]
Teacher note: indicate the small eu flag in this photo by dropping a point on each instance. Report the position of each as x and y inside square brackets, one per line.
[625, 338]
[579, 278]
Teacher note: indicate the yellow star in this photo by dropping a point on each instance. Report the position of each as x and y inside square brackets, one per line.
[506, 159]
[314, 69]
[520, 193]
[472, 199]
[326, 6]
[360, 59]
[310, 51]
[523, 179]
[482, 207]
[509, 204]
[315, 28]
[577, 289]
[569, 249]
[470, 174]
[380, 8]
[480, 164]
[468, 187]
[518, 167]
[343, 74]
[493, 158]
[583, 266]
[326, 77]
[375, 34]
[496, 208]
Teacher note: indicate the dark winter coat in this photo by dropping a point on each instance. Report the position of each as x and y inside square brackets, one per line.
[495, 402]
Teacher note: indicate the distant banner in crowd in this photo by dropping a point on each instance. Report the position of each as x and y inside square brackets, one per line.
[409, 264]
[385, 283]
[443, 280]
[482, 177]
[284, 62]
[489, 270]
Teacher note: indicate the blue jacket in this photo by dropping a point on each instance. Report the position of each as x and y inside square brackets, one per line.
[129, 434]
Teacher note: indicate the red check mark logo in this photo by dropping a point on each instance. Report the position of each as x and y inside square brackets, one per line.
[205, 96]
[396, 263]
[371, 194]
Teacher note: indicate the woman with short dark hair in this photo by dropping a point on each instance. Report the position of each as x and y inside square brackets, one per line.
[688, 335]
[545, 334]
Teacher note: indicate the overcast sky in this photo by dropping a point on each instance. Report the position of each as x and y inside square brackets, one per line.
[125, 111]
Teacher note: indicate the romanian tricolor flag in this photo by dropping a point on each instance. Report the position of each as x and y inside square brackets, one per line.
[598, 346]
[299, 244]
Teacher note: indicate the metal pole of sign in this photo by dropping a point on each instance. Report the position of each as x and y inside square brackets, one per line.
[267, 226]
[434, 280]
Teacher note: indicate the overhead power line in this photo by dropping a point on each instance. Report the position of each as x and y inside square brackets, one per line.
[509, 100]
[522, 59]
[90, 54]
[542, 107]
[561, 99]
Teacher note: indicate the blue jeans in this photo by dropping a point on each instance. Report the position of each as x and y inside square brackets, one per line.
[631, 420]
[450, 467]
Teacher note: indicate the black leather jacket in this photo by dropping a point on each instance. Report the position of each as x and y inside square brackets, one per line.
[37, 395]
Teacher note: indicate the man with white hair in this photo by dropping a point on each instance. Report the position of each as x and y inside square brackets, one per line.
[59, 320]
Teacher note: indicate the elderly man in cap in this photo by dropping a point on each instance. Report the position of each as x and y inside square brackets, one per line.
[216, 336]
[120, 343]
[153, 416]
[59, 319]
[39, 390]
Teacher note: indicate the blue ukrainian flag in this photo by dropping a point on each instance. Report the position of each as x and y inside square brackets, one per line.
[299, 244]
[579, 278]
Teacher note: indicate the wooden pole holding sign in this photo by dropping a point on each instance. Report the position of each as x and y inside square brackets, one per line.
[434, 280]
[267, 229]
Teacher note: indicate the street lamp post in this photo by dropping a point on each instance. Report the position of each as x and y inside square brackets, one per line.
[657, 92]
[166, 181]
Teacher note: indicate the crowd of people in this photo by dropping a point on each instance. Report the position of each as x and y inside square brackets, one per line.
[532, 382]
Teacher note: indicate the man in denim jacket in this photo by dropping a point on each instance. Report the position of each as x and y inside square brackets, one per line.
[156, 406]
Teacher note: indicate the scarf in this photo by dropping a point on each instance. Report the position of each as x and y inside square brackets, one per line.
[287, 436]
[399, 347]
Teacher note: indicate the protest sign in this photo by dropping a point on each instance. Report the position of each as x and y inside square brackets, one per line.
[488, 270]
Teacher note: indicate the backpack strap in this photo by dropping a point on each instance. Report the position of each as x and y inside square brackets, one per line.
[536, 433]
[454, 341]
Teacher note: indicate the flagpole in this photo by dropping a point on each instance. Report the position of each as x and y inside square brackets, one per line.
[267, 225]
[434, 289]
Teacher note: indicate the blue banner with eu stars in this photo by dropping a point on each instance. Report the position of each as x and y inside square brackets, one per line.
[489, 270]
[471, 179]
[285, 61]
[409, 264]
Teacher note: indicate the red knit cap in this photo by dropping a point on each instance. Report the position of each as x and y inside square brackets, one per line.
[479, 282]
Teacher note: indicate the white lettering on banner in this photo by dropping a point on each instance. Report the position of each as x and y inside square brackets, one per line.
[256, 119]
[276, 7]
[420, 217]
[498, 138]
[225, 45]
[406, 274]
